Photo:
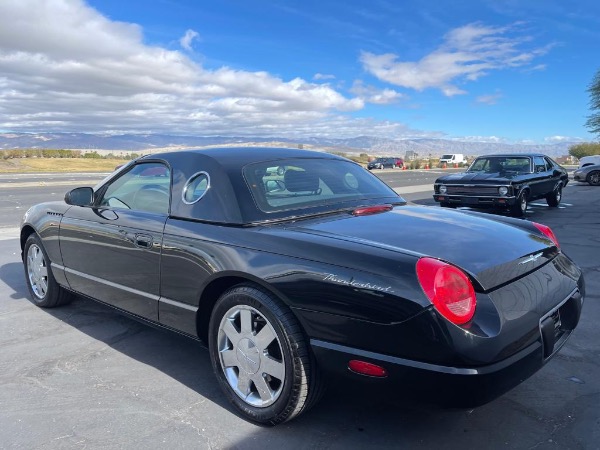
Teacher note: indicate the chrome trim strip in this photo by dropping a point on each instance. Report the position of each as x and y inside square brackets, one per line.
[494, 367]
[476, 196]
[177, 304]
[113, 285]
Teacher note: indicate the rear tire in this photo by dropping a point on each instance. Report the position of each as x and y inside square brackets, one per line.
[593, 178]
[261, 357]
[43, 288]
[553, 199]
[446, 205]
[519, 208]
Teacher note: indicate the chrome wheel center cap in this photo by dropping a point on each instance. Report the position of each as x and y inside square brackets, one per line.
[247, 356]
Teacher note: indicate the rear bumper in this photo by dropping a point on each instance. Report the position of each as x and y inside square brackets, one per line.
[452, 385]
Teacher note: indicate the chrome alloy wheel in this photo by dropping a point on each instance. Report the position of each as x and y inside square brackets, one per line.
[37, 271]
[251, 356]
[523, 203]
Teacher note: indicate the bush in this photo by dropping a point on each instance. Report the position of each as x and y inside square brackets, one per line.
[585, 149]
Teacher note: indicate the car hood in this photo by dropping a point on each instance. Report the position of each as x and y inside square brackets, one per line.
[478, 177]
[492, 252]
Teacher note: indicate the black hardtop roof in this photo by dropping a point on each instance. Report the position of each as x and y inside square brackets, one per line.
[240, 156]
[228, 200]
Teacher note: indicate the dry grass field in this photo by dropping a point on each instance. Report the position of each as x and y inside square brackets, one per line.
[49, 165]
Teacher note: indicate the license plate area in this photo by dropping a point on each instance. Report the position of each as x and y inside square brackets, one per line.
[557, 324]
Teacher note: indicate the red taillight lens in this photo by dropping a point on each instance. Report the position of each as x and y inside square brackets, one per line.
[448, 288]
[367, 210]
[547, 232]
[365, 368]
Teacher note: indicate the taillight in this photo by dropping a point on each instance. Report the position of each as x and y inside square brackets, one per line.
[367, 210]
[546, 231]
[448, 288]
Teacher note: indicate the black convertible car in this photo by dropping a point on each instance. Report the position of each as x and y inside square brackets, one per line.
[322, 272]
[503, 182]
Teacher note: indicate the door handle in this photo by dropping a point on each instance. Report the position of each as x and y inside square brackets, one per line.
[143, 240]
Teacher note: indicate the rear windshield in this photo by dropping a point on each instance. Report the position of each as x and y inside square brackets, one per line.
[309, 183]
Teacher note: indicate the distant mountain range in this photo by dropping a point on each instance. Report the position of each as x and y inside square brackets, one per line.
[361, 144]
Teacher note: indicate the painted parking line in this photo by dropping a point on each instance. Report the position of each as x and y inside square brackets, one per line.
[9, 233]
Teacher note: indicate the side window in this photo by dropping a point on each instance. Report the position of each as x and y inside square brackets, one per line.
[196, 187]
[145, 187]
[549, 163]
[540, 164]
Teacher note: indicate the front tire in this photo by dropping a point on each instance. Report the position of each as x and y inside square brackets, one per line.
[553, 199]
[261, 357]
[519, 208]
[593, 178]
[43, 288]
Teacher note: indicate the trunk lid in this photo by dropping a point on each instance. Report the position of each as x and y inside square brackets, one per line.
[493, 252]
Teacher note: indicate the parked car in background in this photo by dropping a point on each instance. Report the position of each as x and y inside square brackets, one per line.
[506, 181]
[589, 174]
[383, 163]
[451, 159]
[310, 279]
[399, 163]
[589, 161]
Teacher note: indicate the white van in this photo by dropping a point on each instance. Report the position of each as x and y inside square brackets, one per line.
[589, 161]
[452, 158]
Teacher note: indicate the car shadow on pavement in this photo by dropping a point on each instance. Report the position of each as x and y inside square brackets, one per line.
[13, 275]
[187, 361]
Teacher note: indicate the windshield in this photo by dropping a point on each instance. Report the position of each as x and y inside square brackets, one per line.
[310, 183]
[500, 164]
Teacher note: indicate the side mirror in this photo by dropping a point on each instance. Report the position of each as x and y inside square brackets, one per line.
[82, 196]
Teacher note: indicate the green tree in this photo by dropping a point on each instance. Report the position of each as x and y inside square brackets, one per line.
[593, 121]
[585, 149]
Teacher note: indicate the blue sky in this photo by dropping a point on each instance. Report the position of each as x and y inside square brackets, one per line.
[494, 71]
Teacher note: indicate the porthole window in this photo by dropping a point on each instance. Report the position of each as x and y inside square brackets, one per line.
[196, 187]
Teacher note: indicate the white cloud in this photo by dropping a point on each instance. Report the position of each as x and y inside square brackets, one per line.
[371, 94]
[558, 139]
[323, 76]
[489, 99]
[486, 139]
[187, 39]
[66, 67]
[468, 53]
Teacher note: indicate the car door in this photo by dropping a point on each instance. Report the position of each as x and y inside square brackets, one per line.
[556, 172]
[541, 183]
[112, 250]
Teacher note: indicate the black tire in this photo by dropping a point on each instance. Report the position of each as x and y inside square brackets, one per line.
[519, 208]
[553, 199]
[43, 288]
[284, 368]
[446, 205]
[593, 178]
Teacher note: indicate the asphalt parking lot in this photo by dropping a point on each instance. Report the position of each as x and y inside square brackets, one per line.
[84, 376]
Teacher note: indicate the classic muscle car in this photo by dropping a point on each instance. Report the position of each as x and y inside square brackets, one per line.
[503, 182]
[298, 278]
